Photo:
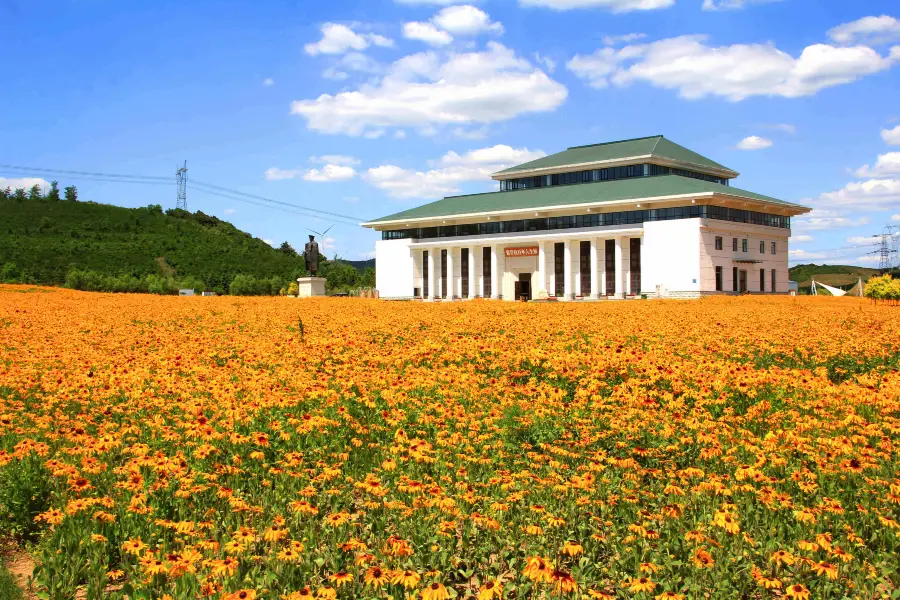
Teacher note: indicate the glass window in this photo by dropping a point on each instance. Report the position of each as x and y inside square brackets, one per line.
[773, 278]
[734, 279]
[774, 246]
[718, 242]
[762, 280]
[744, 245]
[718, 279]
[734, 244]
[762, 247]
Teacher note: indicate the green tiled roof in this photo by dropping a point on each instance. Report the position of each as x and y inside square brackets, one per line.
[656, 146]
[580, 193]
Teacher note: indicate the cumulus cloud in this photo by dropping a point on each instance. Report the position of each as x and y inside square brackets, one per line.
[337, 39]
[754, 142]
[426, 32]
[352, 61]
[615, 40]
[891, 136]
[696, 69]
[801, 239]
[871, 194]
[466, 20]
[268, 82]
[612, 5]
[731, 4]
[868, 30]
[895, 217]
[886, 165]
[329, 173]
[448, 173]
[276, 174]
[25, 183]
[427, 89]
[229, 211]
[548, 62]
[433, 2]
[820, 219]
[860, 240]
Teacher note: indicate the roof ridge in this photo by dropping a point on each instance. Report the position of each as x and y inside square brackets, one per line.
[646, 137]
[653, 149]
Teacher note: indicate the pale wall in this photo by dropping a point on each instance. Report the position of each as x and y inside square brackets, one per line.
[394, 268]
[710, 257]
[670, 256]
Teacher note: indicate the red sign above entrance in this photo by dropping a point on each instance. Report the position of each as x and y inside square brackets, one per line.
[524, 251]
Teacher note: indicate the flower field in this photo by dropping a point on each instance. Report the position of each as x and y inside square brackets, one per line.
[271, 448]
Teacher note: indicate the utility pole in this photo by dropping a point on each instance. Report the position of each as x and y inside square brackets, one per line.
[181, 181]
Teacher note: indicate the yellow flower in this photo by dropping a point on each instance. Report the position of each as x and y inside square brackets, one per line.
[435, 591]
[641, 584]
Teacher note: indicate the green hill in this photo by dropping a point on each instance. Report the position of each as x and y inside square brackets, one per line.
[843, 276]
[43, 241]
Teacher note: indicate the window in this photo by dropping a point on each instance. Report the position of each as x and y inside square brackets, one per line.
[762, 280]
[464, 271]
[773, 278]
[719, 279]
[584, 250]
[734, 244]
[425, 274]
[559, 250]
[734, 277]
[744, 245]
[762, 247]
[718, 242]
[486, 270]
[774, 247]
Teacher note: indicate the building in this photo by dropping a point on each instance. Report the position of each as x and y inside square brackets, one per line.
[615, 220]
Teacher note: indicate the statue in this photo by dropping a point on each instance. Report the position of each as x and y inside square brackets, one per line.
[311, 255]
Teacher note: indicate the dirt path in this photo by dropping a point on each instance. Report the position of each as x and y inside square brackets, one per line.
[21, 566]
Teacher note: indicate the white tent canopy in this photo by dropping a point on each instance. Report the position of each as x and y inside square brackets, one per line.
[834, 291]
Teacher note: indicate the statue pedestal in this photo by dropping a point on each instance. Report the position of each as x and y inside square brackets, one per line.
[310, 286]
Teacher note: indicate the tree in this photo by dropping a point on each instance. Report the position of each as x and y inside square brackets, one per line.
[71, 193]
[34, 194]
[287, 249]
[19, 195]
[53, 194]
[6, 194]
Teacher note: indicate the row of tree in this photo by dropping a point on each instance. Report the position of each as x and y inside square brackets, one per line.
[36, 194]
[883, 289]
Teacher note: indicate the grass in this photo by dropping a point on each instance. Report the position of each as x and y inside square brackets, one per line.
[8, 588]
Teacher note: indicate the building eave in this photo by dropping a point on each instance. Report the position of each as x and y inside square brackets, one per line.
[616, 162]
[703, 197]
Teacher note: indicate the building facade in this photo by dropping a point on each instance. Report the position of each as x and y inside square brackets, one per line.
[615, 220]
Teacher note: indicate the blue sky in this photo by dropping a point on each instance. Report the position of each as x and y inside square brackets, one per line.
[367, 107]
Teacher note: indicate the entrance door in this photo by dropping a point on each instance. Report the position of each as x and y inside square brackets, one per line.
[523, 286]
[742, 281]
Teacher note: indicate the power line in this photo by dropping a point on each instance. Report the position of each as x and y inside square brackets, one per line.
[247, 201]
[181, 182]
[65, 172]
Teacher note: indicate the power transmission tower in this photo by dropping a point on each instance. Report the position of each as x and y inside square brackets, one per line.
[883, 250]
[894, 233]
[181, 180]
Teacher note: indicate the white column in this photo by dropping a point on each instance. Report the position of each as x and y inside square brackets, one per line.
[542, 269]
[481, 272]
[595, 272]
[432, 287]
[618, 267]
[472, 279]
[451, 282]
[495, 280]
[567, 270]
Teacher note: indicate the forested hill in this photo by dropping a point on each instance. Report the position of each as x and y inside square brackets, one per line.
[42, 241]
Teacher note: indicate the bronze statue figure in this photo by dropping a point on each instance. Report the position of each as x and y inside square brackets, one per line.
[311, 255]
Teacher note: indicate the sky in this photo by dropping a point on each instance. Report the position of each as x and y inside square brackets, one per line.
[363, 108]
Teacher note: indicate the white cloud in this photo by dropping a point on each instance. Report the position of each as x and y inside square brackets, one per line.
[329, 173]
[801, 239]
[754, 142]
[785, 127]
[478, 133]
[891, 136]
[448, 173]
[367, 255]
[615, 40]
[871, 194]
[870, 258]
[268, 82]
[25, 183]
[433, 2]
[466, 20]
[696, 69]
[337, 39]
[269, 242]
[276, 174]
[797, 255]
[335, 159]
[352, 61]
[860, 240]
[229, 211]
[426, 32]
[820, 219]
[886, 165]
[895, 217]
[868, 30]
[548, 62]
[730, 4]
[613, 5]
[424, 89]
[329, 243]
